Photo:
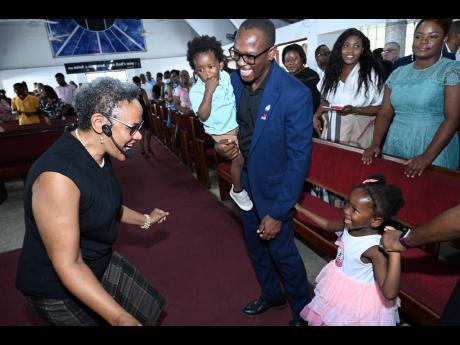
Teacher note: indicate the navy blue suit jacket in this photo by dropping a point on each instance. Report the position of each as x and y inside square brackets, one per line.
[279, 156]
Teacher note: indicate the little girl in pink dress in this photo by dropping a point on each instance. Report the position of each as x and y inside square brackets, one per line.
[360, 287]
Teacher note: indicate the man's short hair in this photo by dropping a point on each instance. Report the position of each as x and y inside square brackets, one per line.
[264, 25]
[395, 43]
[455, 27]
[318, 48]
[59, 75]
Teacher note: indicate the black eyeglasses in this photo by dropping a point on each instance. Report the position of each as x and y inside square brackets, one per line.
[248, 58]
[133, 129]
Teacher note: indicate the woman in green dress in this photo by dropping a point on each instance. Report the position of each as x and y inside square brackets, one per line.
[421, 106]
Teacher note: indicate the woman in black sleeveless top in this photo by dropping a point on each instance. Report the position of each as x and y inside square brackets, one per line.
[68, 270]
[146, 116]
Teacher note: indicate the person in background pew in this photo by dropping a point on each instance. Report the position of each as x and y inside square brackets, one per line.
[445, 227]
[274, 114]
[65, 91]
[174, 82]
[147, 86]
[166, 82]
[6, 113]
[36, 91]
[67, 269]
[25, 106]
[181, 97]
[213, 101]
[421, 106]
[3, 96]
[361, 286]
[157, 89]
[146, 118]
[391, 52]
[73, 84]
[353, 86]
[51, 105]
[322, 53]
[295, 59]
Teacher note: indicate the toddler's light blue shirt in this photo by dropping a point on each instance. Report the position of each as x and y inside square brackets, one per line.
[223, 107]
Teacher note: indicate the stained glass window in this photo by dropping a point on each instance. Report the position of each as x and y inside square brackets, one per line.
[70, 37]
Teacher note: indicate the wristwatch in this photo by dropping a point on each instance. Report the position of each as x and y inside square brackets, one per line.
[403, 240]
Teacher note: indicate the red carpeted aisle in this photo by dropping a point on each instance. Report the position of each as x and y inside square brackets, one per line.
[197, 259]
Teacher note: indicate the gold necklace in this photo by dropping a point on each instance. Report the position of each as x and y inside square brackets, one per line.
[79, 139]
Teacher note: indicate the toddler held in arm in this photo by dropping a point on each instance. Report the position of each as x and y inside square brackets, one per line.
[213, 101]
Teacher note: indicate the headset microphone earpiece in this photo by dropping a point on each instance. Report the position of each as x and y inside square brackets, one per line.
[107, 130]
[129, 153]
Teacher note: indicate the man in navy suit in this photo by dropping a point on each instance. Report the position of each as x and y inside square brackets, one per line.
[274, 113]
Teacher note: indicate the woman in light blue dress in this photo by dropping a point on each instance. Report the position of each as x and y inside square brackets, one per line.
[421, 106]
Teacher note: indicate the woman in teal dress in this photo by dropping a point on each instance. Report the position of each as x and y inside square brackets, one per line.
[421, 106]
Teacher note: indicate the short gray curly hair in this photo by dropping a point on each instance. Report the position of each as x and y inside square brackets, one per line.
[102, 95]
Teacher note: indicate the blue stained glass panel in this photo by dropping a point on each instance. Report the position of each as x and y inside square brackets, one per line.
[116, 42]
[105, 43]
[69, 37]
[72, 43]
[126, 40]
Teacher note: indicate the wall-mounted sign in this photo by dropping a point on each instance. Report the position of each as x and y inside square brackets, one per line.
[97, 66]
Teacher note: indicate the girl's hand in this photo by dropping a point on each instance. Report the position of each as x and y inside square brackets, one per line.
[416, 165]
[297, 206]
[317, 124]
[390, 240]
[348, 109]
[158, 216]
[369, 153]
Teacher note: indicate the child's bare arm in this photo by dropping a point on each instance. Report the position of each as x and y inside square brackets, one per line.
[326, 224]
[205, 107]
[387, 270]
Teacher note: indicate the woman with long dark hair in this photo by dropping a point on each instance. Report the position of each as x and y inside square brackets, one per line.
[353, 86]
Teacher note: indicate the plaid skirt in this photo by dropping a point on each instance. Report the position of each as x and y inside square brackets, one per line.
[124, 282]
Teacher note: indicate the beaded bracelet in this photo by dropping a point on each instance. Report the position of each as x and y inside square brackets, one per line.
[148, 222]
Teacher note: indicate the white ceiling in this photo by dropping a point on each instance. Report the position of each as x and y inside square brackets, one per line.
[24, 43]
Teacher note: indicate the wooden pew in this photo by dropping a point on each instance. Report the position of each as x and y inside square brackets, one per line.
[426, 281]
[203, 152]
[184, 127]
[22, 145]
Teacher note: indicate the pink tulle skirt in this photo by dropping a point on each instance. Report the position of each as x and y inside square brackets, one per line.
[342, 301]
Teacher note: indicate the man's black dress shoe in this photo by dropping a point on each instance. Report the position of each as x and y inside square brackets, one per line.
[298, 323]
[260, 306]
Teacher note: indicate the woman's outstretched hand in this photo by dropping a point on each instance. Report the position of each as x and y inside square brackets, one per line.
[158, 216]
